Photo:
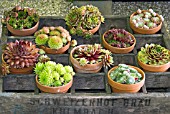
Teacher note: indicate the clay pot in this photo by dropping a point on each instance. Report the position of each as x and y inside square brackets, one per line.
[60, 89]
[12, 70]
[116, 49]
[154, 68]
[88, 68]
[23, 32]
[55, 51]
[144, 31]
[126, 88]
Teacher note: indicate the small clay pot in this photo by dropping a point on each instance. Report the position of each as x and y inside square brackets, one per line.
[154, 68]
[27, 70]
[144, 31]
[60, 89]
[116, 49]
[23, 32]
[55, 51]
[88, 68]
[126, 88]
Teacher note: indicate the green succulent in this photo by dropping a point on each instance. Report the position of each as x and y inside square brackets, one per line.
[86, 17]
[54, 33]
[20, 18]
[55, 42]
[154, 54]
[125, 75]
[41, 39]
[52, 74]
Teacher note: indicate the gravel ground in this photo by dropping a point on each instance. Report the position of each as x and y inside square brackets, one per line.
[60, 7]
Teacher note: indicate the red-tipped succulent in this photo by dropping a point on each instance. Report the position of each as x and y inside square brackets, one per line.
[20, 54]
[119, 38]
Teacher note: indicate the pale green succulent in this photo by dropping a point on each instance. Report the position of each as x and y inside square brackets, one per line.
[55, 42]
[52, 74]
[41, 39]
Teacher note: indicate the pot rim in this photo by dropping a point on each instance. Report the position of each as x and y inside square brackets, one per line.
[23, 30]
[142, 28]
[68, 43]
[36, 78]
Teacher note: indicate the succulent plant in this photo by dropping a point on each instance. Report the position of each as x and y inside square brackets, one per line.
[125, 75]
[118, 38]
[147, 19]
[55, 42]
[54, 37]
[92, 54]
[20, 54]
[21, 18]
[83, 18]
[154, 54]
[52, 74]
[5, 69]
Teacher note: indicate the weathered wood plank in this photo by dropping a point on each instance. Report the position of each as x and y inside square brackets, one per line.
[89, 81]
[19, 82]
[151, 103]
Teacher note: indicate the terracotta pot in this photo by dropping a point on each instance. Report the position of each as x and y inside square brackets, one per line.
[88, 68]
[94, 30]
[126, 88]
[23, 32]
[60, 89]
[12, 70]
[154, 68]
[55, 51]
[144, 31]
[116, 49]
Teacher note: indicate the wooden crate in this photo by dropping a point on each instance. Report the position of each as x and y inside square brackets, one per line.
[90, 93]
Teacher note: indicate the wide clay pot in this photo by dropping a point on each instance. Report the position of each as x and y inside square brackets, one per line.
[88, 68]
[55, 51]
[144, 31]
[27, 70]
[23, 32]
[154, 68]
[126, 88]
[116, 49]
[60, 89]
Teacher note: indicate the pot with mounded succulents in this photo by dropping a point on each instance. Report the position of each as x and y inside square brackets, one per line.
[90, 58]
[146, 21]
[22, 21]
[20, 57]
[154, 58]
[126, 78]
[84, 21]
[53, 78]
[118, 41]
[53, 40]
